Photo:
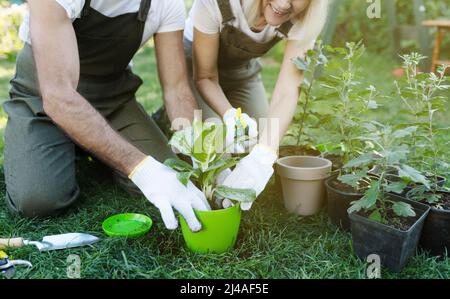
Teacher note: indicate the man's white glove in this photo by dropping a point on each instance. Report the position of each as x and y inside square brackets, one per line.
[161, 187]
[253, 171]
[236, 122]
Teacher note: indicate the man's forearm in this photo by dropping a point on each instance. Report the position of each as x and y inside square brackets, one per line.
[87, 127]
[180, 103]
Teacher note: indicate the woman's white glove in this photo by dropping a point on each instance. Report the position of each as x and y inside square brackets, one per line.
[253, 171]
[161, 187]
[233, 119]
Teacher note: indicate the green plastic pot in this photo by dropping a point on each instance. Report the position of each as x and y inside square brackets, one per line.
[219, 230]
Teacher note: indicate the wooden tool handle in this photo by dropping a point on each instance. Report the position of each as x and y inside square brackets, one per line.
[14, 243]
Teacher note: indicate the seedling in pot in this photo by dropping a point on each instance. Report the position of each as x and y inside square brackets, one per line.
[347, 103]
[386, 151]
[305, 119]
[422, 95]
[382, 222]
[204, 143]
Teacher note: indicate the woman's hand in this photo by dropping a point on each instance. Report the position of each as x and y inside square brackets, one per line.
[237, 124]
[253, 171]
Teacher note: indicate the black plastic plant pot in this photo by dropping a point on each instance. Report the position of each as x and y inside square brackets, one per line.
[394, 246]
[339, 202]
[436, 232]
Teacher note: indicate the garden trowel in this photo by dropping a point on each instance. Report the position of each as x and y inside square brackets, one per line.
[55, 242]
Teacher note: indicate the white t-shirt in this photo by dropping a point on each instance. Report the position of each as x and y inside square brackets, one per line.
[164, 15]
[206, 17]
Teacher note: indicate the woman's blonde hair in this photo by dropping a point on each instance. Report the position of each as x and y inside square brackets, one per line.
[307, 26]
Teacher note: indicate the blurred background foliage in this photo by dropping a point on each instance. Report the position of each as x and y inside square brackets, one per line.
[352, 25]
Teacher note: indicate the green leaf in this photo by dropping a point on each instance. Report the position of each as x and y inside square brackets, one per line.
[209, 142]
[178, 165]
[223, 163]
[376, 216]
[396, 187]
[300, 63]
[396, 156]
[361, 160]
[403, 209]
[369, 199]
[404, 132]
[183, 141]
[184, 177]
[241, 195]
[327, 147]
[352, 179]
[409, 173]
[212, 172]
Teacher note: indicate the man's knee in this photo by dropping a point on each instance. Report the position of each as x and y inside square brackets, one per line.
[40, 200]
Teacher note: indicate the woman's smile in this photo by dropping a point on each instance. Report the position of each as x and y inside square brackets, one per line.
[276, 12]
[279, 12]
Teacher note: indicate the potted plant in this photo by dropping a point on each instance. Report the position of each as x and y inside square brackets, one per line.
[204, 144]
[347, 105]
[301, 173]
[382, 222]
[300, 133]
[419, 93]
[421, 97]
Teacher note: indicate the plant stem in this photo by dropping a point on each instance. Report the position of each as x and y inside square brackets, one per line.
[305, 107]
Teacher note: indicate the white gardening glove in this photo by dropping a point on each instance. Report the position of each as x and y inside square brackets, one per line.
[253, 171]
[226, 203]
[161, 187]
[233, 118]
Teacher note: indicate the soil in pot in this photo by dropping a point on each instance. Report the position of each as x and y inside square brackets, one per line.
[219, 232]
[336, 160]
[436, 231]
[294, 150]
[395, 242]
[340, 196]
[303, 183]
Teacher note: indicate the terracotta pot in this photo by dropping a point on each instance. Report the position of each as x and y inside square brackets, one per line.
[292, 150]
[303, 183]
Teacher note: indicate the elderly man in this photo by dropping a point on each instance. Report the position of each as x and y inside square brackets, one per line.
[74, 87]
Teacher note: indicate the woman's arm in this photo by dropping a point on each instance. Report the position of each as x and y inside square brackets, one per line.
[178, 97]
[284, 98]
[205, 53]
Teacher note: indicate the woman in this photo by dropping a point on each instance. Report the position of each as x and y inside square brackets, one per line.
[223, 39]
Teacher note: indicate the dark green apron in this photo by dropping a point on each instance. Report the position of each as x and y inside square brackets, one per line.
[39, 158]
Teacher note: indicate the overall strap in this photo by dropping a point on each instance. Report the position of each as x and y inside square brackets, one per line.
[226, 11]
[86, 8]
[285, 28]
[144, 9]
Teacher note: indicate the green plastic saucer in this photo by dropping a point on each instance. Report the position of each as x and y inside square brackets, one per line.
[127, 225]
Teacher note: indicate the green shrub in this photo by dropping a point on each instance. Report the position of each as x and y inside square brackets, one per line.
[10, 19]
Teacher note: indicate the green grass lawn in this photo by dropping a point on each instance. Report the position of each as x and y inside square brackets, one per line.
[271, 243]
